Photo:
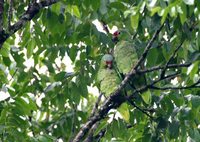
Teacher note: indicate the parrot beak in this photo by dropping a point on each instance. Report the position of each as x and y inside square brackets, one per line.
[109, 64]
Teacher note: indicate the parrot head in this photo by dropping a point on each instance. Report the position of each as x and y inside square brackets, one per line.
[107, 61]
[121, 34]
[115, 36]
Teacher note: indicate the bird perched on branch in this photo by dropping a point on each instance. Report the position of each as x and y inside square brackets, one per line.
[107, 76]
[126, 57]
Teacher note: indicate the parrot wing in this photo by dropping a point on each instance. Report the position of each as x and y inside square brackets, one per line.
[125, 56]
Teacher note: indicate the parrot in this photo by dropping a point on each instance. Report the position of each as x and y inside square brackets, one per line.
[126, 57]
[110, 80]
[107, 76]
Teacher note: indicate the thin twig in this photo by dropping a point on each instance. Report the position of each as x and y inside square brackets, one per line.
[58, 68]
[140, 109]
[105, 27]
[170, 59]
[13, 75]
[73, 122]
[195, 85]
[1, 15]
[144, 55]
[10, 11]
[90, 136]
[175, 51]
[134, 36]
[95, 107]
[144, 88]
[157, 68]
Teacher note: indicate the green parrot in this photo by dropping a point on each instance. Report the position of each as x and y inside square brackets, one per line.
[126, 57]
[107, 76]
[109, 81]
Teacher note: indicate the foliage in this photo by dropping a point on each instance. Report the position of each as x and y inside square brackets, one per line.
[54, 104]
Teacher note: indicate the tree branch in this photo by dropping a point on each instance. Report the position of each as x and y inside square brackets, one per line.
[1, 15]
[10, 10]
[95, 108]
[195, 85]
[128, 98]
[90, 136]
[156, 68]
[73, 121]
[170, 59]
[105, 27]
[113, 101]
[175, 51]
[32, 10]
[144, 88]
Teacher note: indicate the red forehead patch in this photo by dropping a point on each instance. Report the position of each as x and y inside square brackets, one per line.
[108, 62]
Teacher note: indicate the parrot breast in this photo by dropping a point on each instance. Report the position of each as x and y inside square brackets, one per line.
[109, 80]
[125, 56]
[107, 76]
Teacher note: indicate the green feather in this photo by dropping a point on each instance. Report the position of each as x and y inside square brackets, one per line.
[125, 56]
[109, 81]
[108, 78]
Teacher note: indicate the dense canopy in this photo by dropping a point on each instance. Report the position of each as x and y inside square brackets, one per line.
[50, 52]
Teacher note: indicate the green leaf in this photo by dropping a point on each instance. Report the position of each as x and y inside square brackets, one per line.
[186, 113]
[30, 48]
[117, 5]
[49, 66]
[95, 4]
[74, 10]
[155, 10]
[183, 13]
[124, 111]
[146, 96]
[3, 115]
[152, 57]
[131, 11]
[60, 76]
[103, 6]
[75, 94]
[101, 126]
[189, 2]
[3, 74]
[6, 61]
[22, 106]
[118, 128]
[73, 52]
[5, 50]
[162, 123]
[135, 21]
[195, 100]
[193, 69]
[173, 129]
[45, 138]
[32, 105]
[164, 16]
